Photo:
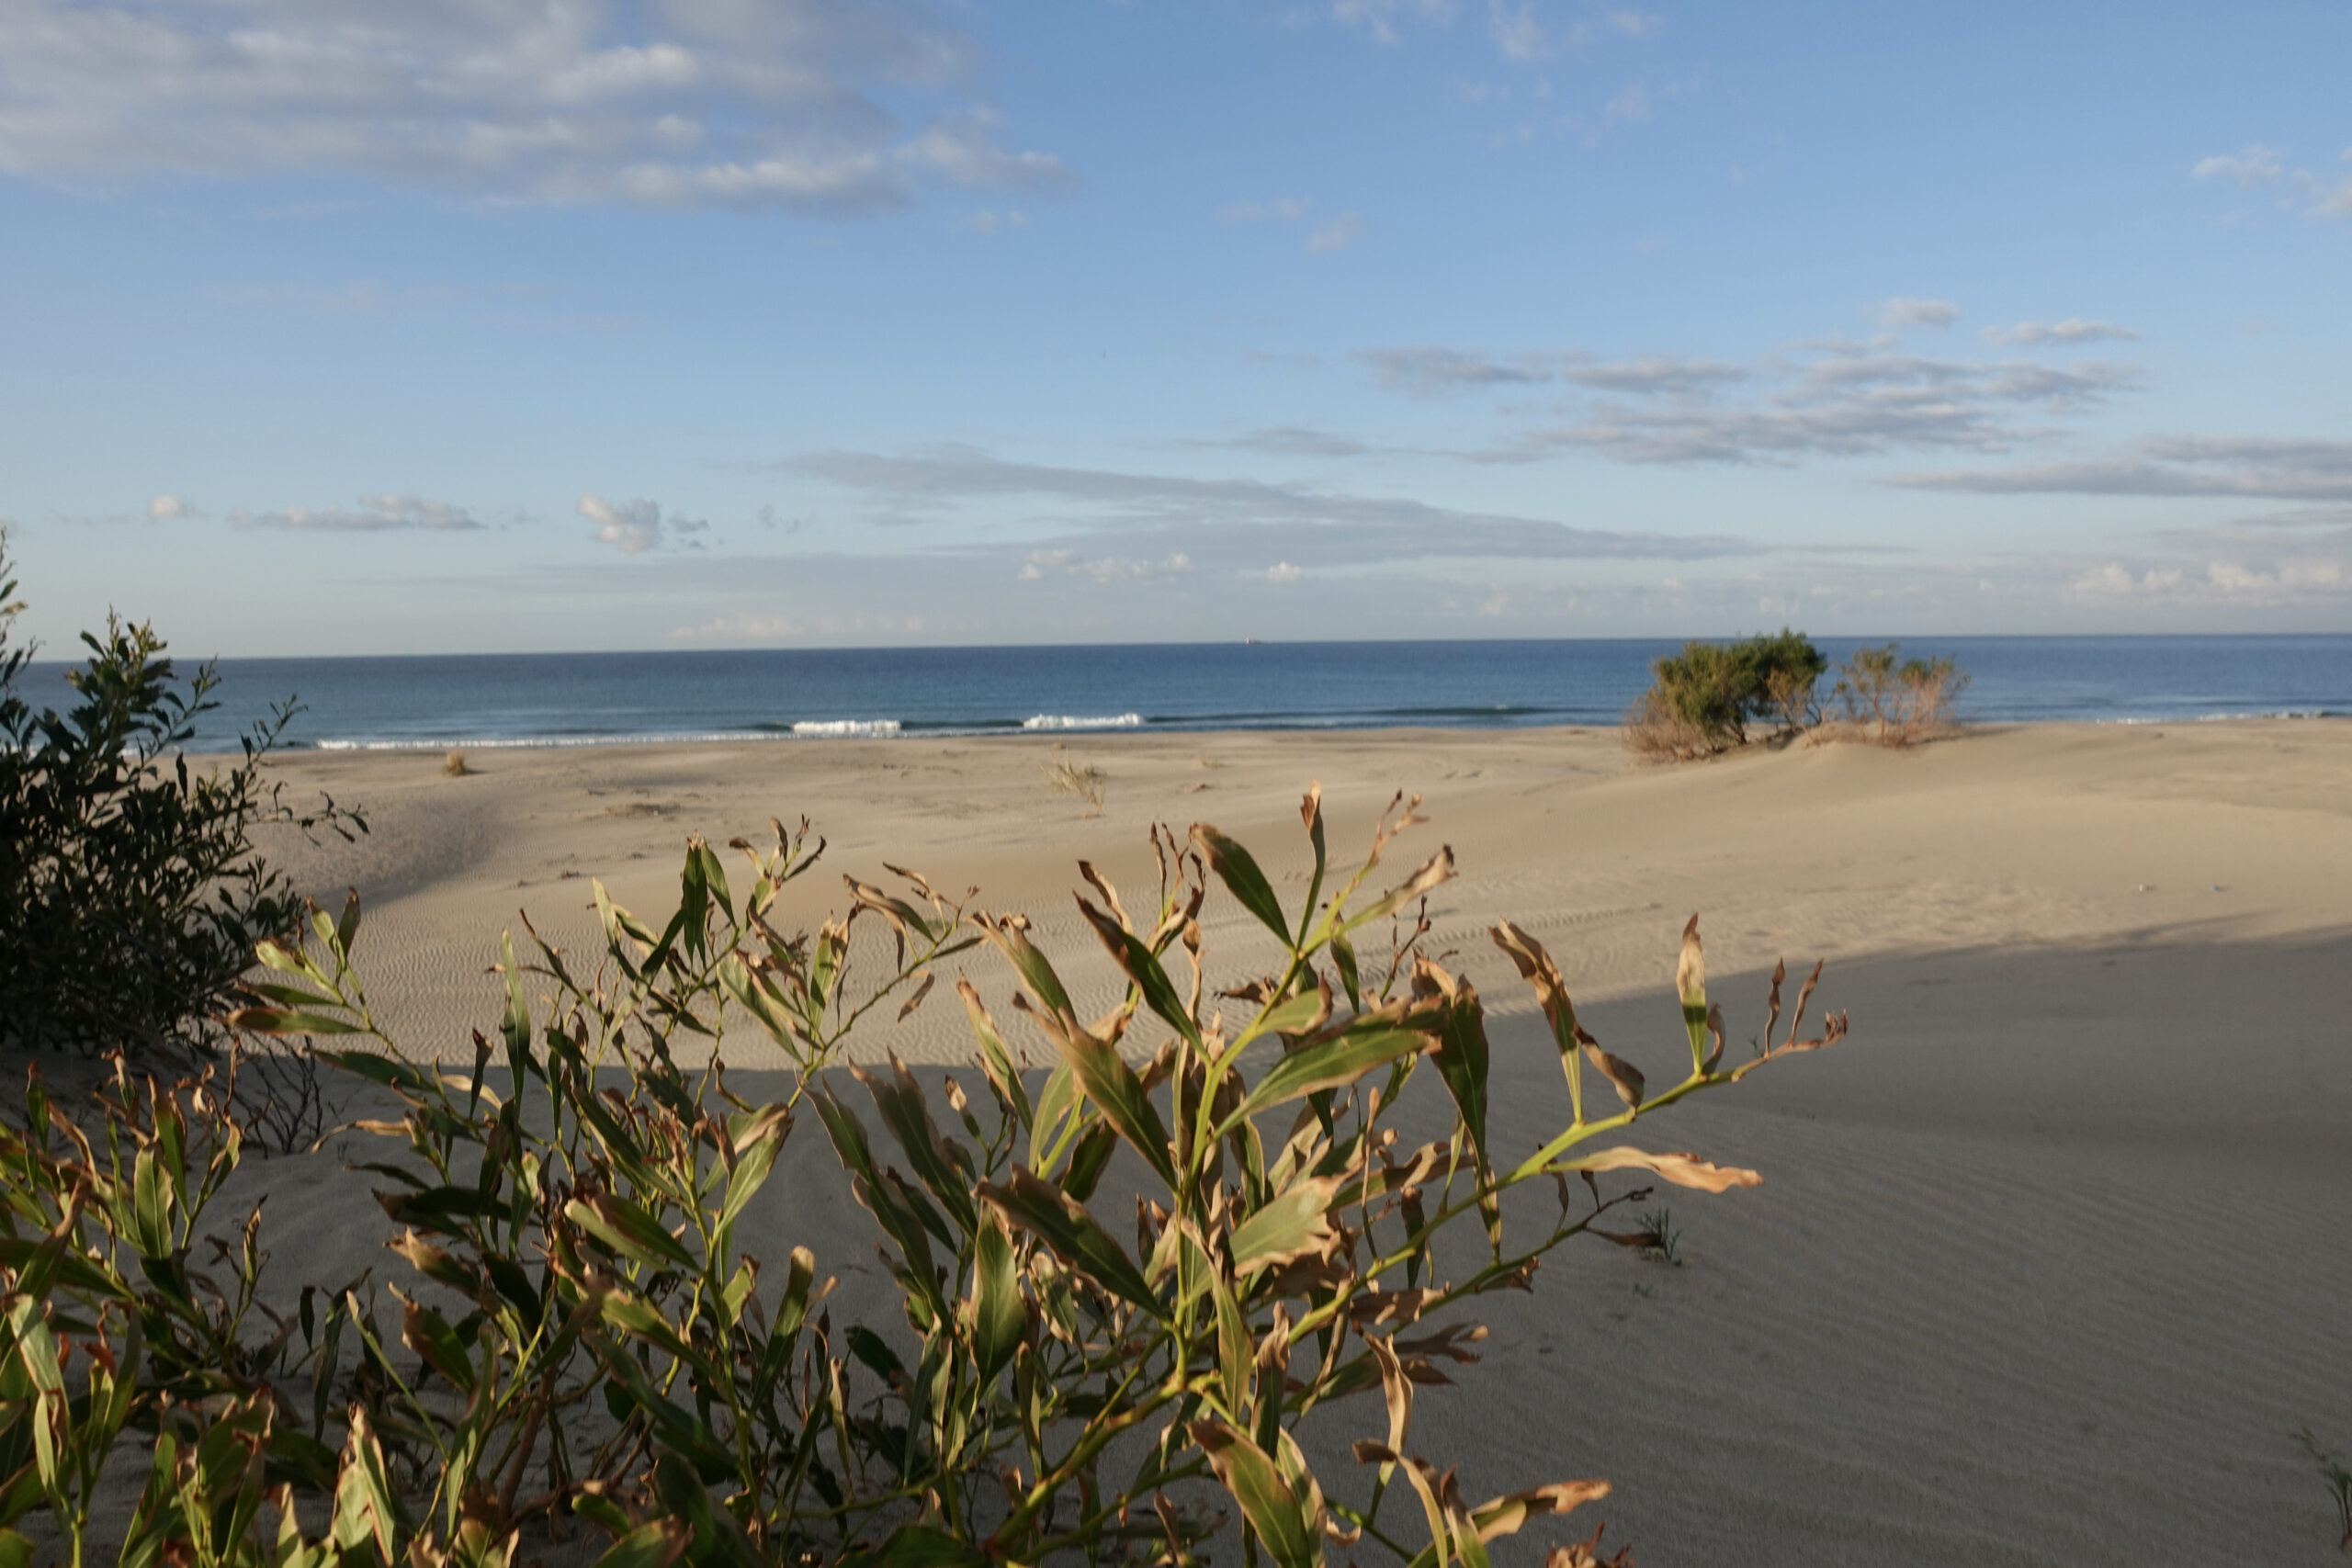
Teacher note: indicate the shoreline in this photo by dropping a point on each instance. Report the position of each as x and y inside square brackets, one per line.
[871, 731]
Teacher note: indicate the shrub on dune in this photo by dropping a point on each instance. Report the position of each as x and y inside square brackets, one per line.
[132, 887]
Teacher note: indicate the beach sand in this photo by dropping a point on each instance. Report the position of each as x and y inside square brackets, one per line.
[2048, 1263]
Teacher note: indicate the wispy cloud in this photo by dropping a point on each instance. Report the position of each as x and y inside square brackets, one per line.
[1295, 441]
[636, 526]
[795, 105]
[1380, 17]
[746, 627]
[1281, 210]
[2247, 167]
[1846, 400]
[1429, 372]
[2253, 167]
[2074, 330]
[1904, 312]
[1219, 524]
[2175, 465]
[170, 509]
[1336, 235]
[374, 515]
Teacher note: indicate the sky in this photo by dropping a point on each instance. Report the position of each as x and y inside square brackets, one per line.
[475, 325]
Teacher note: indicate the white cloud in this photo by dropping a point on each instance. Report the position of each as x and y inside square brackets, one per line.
[1102, 568]
[828, 107]
[633, 528]
[1336, 235]
[1283, 572]
[1902, 311]
[1281, 210]
[2217, 582]
[374, 515]
[170, 507]
[748, 626]
[2072, 329]
[2248, 166]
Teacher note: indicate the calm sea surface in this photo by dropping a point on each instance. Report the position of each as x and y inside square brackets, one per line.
[805, 695]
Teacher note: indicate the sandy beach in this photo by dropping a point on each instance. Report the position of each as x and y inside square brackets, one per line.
[2048, 1266]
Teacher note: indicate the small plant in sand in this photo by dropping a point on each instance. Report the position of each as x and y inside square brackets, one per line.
[455, 766]
[132, 889]
[1702, 700]
[579, 1336]
[1083, 780]
[2340, 1484]
[1897, 703]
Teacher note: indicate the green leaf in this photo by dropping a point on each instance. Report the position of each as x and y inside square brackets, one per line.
[1010, 939]
[756, 1145]
[629, 1231]
[1273, 1510]
[999, 1316]
[1074, 1234]
[757, 995]
[1056, 1101]
[657, 1544]
[1236, 1357]
[1690, 983]
[1242, 878]
[995, 1060]
[1438, 868]
[1294, 1224]
[274, 1021]
[907, 1114]
[1142, 969]
[1116, 1090]
[1552, 994]
[1369, 1042]
[1462, 1058]
[919, 1546]
[1343, 959]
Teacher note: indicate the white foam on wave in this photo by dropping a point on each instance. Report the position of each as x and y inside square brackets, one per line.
[841, 728]
[1067, 721]
[529, 742]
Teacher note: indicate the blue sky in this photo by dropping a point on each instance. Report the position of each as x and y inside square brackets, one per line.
[487, 324]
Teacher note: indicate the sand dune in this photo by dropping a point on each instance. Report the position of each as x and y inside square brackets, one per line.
[2049, 1262]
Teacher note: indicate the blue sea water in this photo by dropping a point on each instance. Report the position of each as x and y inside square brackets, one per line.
[798, 693]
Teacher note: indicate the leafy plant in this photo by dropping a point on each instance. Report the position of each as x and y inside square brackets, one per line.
[578, 1335]
[131, 890]
[1702, 700]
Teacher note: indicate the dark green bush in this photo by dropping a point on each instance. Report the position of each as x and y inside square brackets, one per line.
[1702, 700]
[132, 893]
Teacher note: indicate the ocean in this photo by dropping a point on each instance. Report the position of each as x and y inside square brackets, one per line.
[809, 694]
